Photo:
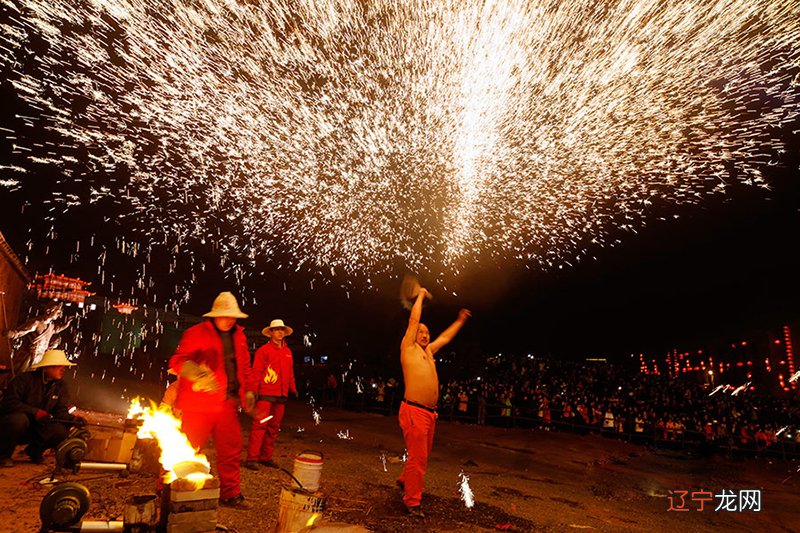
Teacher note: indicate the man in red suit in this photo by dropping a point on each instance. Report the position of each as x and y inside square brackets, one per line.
[213, 363]
[273, 380]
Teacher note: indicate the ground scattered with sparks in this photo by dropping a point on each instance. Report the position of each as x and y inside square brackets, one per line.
[522, 481]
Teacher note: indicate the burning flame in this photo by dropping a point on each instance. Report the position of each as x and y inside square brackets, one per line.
[178, 457]
[271, 376]
[135, 410]
[313, 519]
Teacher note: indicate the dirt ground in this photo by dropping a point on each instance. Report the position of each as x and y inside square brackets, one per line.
[522, 480]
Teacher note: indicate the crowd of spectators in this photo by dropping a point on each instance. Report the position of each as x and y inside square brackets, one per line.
[610, 399]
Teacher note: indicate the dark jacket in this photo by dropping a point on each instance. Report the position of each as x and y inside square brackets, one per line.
[27, 393]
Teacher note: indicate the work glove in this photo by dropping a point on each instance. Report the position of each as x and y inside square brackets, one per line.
[249, 401]
[42, 415]
[202, 377]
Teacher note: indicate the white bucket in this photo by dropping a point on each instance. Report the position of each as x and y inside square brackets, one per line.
[307, 469]
[298, 509]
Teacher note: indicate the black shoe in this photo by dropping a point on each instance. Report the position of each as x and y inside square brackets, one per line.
[252, 465]
[270, 463]
[237, 502]
[415, 511]
[6, 462]
[35, 456]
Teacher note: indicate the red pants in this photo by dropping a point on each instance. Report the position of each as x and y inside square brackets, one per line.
[263, 435]
[227, 432]
[418, 426]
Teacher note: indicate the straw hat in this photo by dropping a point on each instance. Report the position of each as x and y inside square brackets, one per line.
[225, 305]
[277, 323]
[53, 358]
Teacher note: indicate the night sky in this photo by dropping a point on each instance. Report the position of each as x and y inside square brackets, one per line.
[693, 275]
[724, 270]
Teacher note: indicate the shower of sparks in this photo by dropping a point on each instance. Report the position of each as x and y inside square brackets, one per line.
[794, 377]
[353, 136]
[735, 390]
[719, 388]
[317, 417]
[301, 429]
[383, 461]
[740, 388]
[344, 435]
[465, 490]
[784, 428]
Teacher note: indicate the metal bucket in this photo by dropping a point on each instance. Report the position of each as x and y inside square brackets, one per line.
[298, 509]
[308, 469]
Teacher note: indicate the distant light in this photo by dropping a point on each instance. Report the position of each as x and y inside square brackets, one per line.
[710, 372]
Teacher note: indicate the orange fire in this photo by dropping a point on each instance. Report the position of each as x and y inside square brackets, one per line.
[178, 457]
[313, 519]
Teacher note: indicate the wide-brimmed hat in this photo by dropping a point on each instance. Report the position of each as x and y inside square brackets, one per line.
[53, 358]
[225, 305]
[277, 323]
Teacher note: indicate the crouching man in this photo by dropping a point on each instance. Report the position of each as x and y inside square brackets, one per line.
[35, 409]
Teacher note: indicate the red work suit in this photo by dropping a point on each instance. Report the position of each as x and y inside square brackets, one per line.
[272, 380]
[418, 427]
[213, 413]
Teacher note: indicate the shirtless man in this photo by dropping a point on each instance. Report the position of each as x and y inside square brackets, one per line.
[418, 409]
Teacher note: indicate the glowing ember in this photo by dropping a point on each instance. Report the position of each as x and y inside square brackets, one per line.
[383, 460]
[740, 388]
[265, 419]
[465, 490]
[794, 377]
[314, 518]
[72, 409]
[344, 435]
[317, 417]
